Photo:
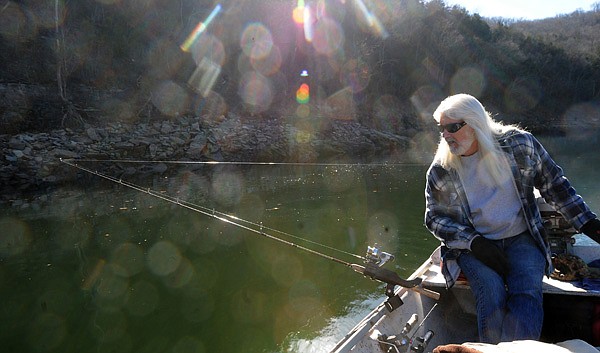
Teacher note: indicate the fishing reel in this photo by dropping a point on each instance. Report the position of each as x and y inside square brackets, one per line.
[373, 269]
[402, 342]
[377, 257]
[374, 261]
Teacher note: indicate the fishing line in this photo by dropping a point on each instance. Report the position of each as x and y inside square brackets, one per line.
[423, 321]
[259, 228]
[140, 161]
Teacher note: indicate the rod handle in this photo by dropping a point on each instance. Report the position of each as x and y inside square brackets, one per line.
[426, 292]
[386, 276]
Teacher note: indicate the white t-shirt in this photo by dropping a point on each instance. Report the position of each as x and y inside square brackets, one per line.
[495, 209]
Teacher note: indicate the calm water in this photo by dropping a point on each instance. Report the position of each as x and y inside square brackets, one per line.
[108, 269]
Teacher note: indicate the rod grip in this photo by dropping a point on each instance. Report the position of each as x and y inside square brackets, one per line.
[426, 292]
[391, 277]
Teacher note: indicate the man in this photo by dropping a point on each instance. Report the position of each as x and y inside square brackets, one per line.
[480, 204]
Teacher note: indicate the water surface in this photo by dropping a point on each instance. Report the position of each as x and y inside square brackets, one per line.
[100, 267]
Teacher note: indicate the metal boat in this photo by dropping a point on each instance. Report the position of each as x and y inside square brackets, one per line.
[419, 320]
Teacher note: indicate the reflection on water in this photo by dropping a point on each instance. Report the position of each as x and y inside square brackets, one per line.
[106, 268]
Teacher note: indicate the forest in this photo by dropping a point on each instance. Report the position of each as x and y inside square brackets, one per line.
[384, 63]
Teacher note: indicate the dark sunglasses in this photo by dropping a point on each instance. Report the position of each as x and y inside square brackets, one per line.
[451, 128]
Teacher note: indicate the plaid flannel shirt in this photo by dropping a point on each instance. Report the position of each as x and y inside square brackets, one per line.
[447, 213]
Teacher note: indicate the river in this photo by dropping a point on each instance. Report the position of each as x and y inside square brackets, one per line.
[104, 268]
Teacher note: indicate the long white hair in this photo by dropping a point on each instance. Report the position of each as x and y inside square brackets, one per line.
[464, 107]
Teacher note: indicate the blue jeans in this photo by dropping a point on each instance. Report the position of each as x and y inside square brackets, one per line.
[509, 309]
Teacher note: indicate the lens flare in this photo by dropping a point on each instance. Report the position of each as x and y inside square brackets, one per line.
[209, 47]
[256, 41]
[356, 75]
[270, 64]
[303, 94]
[204, 77]
[163, 258]
[170, 98]
[371, 20]
[256, 91]
[303, 111]
[522, 94]
[308, 25]
[127, 259]
[15, 26]
[328, 37]
[111, 286]
[468, 80]
[341, 105]
[200, 28]
[298, 13]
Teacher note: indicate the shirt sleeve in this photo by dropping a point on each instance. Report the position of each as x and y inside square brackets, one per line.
[444, 212]
[556, 189]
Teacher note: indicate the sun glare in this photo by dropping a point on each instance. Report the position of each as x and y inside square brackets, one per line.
[298, 13]
[200, 28]
[318, 32]
[308, 24]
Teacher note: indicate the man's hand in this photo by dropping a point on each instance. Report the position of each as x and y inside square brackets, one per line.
[592, 229]
[487, 252]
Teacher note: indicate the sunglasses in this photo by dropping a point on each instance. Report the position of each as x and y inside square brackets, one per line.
[451, 128]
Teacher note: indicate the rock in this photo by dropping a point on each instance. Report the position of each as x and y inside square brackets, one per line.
[153, 148]
[199, 140]
[160, 168]
[16, 143]
[166, 128]
[60, 153]
[92, 134]
[177, 141]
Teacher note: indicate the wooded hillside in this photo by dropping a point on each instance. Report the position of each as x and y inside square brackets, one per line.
[576, 33]
[386, 64]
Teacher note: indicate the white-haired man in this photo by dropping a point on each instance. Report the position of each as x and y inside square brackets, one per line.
[480, 204]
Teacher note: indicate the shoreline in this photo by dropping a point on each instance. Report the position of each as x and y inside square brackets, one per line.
[32, 161]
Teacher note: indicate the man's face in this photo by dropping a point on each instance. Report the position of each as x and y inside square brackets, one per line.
[462, 142]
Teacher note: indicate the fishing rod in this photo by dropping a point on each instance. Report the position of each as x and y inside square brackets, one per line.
[373, 261]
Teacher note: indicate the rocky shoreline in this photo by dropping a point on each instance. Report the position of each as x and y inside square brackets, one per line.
[31, 162]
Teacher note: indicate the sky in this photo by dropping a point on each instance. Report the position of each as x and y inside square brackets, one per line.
[526, 9]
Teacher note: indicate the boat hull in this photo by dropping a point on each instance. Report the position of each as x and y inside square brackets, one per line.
[571, 312]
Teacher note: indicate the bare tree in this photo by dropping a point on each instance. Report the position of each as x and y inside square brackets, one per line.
[69, 109]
